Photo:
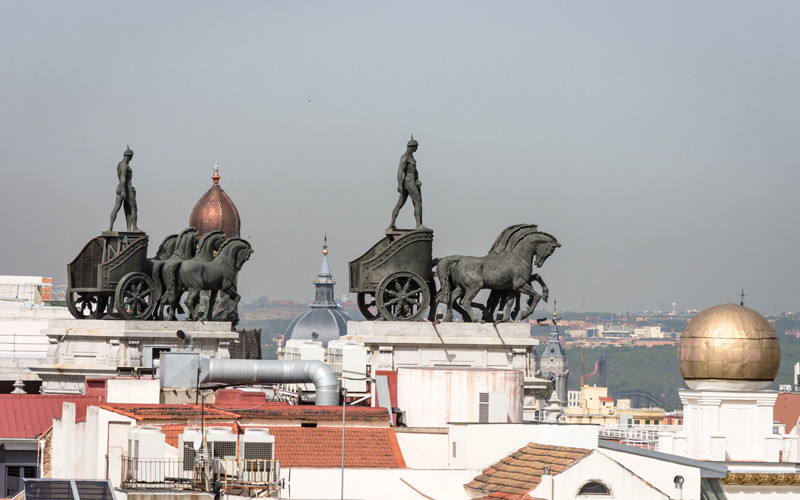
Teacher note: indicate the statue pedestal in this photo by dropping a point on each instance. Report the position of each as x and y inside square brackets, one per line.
[81, 349]
[396, 344]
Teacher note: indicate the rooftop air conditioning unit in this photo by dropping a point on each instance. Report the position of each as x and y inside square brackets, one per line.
[190, 443]
[256, 454]
[146, 454]
[222, 444]
[349, 361]
[493, 407]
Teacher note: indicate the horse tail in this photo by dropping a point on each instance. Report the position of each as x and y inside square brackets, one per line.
[171, 278]
[156, 274]
[444, 268]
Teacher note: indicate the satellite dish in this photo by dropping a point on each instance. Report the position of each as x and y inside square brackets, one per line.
[197, 442]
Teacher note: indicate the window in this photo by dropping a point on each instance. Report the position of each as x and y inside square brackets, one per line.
[646, 422]
[593, 488]
[14, 476]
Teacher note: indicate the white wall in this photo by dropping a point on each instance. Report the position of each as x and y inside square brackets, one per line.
[432, 397]
[383, 484]
[660, 473]
[423, 450]
[131, 390]
[622, 483]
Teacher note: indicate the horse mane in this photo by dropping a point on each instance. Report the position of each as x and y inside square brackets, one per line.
[162, 248]
[206, 238]
[510, 236]
[230, 241]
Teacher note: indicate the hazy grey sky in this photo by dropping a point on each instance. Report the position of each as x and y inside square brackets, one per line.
[657, 141]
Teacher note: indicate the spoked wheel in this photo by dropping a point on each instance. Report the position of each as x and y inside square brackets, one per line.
[403, 296]
[85, 305]
[136, 296]
[367, 306]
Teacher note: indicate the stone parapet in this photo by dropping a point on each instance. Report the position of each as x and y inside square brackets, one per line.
[101, 348]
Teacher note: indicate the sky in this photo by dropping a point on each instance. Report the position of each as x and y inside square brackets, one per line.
[658, 141]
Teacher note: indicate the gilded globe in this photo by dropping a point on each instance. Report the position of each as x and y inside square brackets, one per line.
[729, 347]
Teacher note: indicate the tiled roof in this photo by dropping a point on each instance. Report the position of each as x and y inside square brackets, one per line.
[521, 472]
[606, 398]
[365, 447]
[787, 410]
[172, 413]
[304, 413]
[25, 416]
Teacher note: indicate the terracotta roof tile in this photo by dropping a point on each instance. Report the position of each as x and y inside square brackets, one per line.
[157, 412]
[365, 447]
[787, 410]
[274, 411]
[521, 471]
[25, 416]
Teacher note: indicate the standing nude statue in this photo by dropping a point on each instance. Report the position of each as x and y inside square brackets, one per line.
[126, 193]
[408, 184]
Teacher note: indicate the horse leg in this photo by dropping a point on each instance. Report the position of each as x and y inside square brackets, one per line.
[527, 289]
[191, 301]
[453, 305]
[510, 298]
[212, 299]
[466, 300]
[495, 299]
[231, 291]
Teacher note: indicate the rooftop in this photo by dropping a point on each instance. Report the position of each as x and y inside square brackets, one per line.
[521, 472]
[26, 416]
[365, 447]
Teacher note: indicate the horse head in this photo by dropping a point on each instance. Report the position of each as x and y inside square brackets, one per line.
[545, 248]
[210, 243]
[235, 251]
[166, 248]
[186, 244]
[242, 256]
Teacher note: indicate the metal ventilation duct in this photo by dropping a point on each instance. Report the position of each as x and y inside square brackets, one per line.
[185, 369]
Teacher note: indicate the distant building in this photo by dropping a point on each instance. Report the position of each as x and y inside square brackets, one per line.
[324, 320]
[553, 366]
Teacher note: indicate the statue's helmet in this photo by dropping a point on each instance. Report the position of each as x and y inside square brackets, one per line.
[412, 142]
[128, 152]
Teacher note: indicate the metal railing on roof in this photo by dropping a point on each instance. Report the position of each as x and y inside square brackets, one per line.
[229, 475]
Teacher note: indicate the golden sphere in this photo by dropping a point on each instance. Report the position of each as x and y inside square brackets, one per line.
[324, 251]
[729, 347]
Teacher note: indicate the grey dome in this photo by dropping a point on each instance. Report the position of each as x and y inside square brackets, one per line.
[324, 321]
[322, 325]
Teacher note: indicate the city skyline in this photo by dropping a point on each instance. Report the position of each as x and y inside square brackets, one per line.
[656, 142]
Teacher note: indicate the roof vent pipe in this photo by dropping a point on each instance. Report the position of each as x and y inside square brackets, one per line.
[188, 341]
[247, 371]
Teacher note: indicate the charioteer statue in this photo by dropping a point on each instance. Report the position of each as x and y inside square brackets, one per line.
[126, 194]
[408, 184]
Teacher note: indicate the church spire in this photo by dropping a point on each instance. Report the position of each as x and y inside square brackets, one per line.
[324, 282]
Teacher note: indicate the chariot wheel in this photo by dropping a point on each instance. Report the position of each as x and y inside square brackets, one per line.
[367, 306]
[403, 296]
[85, 305]
[136, 296]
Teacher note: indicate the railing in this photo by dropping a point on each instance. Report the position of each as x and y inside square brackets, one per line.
[174, 474]
[642, 433]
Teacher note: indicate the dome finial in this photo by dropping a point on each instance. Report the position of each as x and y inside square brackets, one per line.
[325, 245]
[216, 176]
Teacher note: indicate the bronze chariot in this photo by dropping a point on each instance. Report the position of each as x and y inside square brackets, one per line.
[112, 273]
[393, 279]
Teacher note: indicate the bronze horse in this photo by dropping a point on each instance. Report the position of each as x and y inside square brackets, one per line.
[507, 267]
[164, 273]
[217, 275]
